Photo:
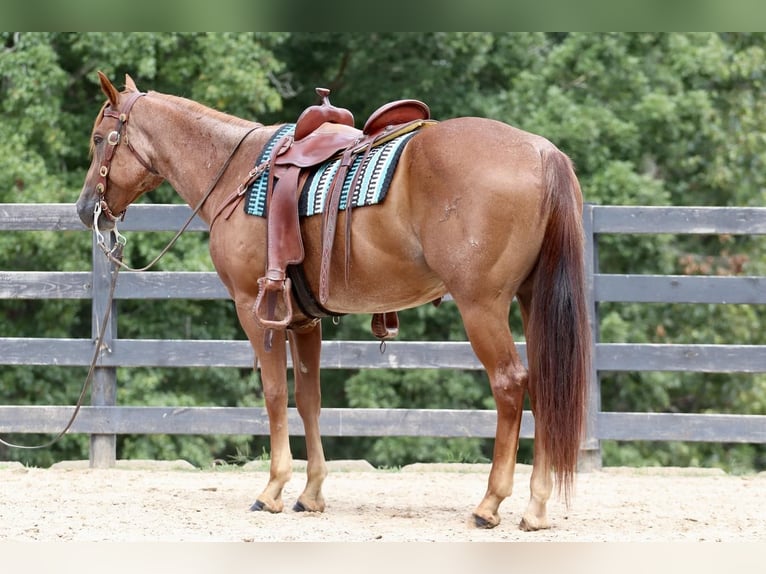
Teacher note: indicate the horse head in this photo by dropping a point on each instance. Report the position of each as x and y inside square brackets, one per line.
[116, 177]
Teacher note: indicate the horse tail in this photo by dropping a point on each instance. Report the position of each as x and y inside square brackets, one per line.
[558, 336]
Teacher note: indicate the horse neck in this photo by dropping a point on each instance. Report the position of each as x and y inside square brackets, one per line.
[190, 144]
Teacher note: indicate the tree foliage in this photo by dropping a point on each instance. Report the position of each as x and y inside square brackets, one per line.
[649, 119]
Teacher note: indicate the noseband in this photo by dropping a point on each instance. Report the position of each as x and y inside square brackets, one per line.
[113, 140]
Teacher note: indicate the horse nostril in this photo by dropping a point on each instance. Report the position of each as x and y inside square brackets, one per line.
[85, 212]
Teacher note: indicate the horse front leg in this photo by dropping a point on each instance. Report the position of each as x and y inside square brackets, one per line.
[274, 380]
[306, 346]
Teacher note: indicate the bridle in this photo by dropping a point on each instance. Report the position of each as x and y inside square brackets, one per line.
[113, 140]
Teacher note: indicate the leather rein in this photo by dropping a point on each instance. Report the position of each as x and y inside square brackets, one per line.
[115, 254]
[113, 140]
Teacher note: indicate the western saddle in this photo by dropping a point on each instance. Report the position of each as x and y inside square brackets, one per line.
[322, 132]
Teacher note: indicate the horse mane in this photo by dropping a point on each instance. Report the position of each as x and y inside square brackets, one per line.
[196, 107]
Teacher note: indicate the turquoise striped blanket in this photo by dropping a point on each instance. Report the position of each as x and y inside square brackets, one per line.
[371, 185]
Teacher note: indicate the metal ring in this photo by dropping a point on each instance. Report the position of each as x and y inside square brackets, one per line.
[113, 138]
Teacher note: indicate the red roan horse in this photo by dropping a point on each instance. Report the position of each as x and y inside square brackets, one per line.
[476, 208]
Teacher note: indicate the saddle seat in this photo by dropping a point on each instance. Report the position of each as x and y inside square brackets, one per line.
[322, 144]
[322, 132]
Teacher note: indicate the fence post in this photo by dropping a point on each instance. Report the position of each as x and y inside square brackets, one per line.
[590, 448]
[103, 448]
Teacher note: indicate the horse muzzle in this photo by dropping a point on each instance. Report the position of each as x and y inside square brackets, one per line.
[94, 212]
[85, 209]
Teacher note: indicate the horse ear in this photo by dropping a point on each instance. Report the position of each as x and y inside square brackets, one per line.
[130, 84]
[109, 90]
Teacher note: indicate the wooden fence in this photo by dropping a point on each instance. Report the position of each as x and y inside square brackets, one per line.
[103, 419]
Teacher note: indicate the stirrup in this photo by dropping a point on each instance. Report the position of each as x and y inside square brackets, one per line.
[385, 326]
[265, 308]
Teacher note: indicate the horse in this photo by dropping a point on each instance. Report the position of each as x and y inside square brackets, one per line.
[476, 208]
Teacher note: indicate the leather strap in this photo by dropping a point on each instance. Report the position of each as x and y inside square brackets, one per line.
[329, 224]
[113, 140]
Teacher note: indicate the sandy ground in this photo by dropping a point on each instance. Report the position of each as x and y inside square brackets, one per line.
[171, 502]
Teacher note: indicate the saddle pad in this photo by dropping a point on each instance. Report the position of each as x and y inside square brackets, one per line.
[372, 183]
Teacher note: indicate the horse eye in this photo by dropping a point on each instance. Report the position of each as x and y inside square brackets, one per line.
[97, 139]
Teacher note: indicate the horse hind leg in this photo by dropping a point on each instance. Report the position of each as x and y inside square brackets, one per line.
[535, 516]
[305, 346]
[491, 340]
[540, 488]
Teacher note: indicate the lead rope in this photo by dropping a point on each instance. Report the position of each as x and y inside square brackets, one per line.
[116, 255]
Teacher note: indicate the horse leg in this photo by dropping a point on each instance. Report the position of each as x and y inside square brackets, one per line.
[491, 340]
[540, 487]
[274, 379]
[305, 346]
[541, 482]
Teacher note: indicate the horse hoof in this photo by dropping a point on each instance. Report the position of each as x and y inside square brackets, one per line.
[482, 522]
[532, 526]
[273, 508]
[310, 506]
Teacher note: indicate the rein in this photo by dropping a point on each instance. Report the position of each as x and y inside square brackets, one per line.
[115, 254]
[91, 369]
[103, 207]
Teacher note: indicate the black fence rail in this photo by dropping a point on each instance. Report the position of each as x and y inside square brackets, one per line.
[103, 419]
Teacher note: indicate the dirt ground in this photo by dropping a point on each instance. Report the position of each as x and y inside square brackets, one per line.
[172, 501]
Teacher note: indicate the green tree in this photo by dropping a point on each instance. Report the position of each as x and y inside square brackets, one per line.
[649, 119]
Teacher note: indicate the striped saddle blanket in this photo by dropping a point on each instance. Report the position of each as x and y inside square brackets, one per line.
[375, 175]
